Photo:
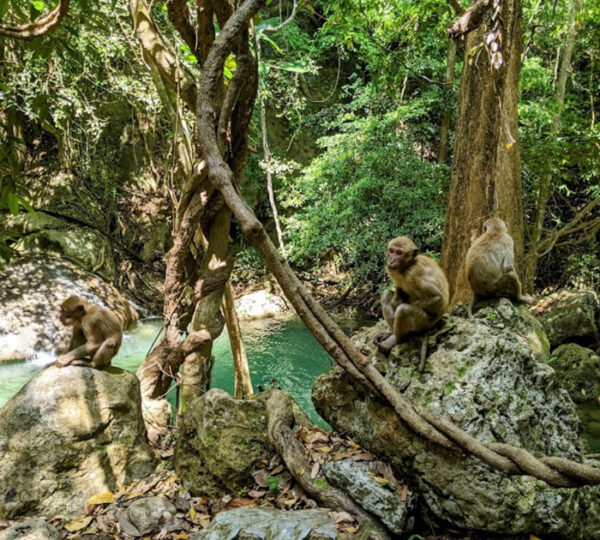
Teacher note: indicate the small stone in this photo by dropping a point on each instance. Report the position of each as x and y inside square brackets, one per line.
[146, 514]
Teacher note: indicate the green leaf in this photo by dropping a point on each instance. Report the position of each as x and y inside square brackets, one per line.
[191, 58]
[38, 5]
[12, 201]
[3, 8]
[271, 42]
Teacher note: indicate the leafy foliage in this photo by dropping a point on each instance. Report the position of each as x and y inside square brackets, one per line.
[368, 186]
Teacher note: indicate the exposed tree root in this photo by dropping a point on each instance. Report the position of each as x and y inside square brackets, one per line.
[280, 423]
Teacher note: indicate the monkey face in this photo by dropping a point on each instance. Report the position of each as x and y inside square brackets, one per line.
[401, 253]
[72, 311]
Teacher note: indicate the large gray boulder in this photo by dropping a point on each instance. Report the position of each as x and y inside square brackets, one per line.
[69, 434]
[571, 317]
[270, 524]
[30, 296]
[260, 305]
[30, 529]
[486, 376]
[51, 236]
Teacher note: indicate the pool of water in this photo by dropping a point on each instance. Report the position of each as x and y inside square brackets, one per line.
[284, 351]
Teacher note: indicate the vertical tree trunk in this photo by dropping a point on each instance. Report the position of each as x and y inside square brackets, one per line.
[449, 82]
[207, 320]
[486, 168]
[241, 372]
[545, 187]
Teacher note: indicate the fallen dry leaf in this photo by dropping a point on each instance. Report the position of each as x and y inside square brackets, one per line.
[102, 498]
[78, 524]
[315, 470]
[256, 494]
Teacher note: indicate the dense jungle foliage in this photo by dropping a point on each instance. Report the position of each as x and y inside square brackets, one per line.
[354, 94]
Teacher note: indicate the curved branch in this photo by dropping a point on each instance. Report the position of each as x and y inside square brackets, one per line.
[469, 20]
[38, 28]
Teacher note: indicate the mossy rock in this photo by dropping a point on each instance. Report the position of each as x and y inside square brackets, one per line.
[578, 370]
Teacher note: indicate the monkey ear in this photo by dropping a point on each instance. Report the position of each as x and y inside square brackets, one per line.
[415, 252]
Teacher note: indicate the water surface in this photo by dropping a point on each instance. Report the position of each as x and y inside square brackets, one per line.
[281, 351]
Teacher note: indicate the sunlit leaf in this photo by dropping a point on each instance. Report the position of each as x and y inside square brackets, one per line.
[78, 524]
[102, 498]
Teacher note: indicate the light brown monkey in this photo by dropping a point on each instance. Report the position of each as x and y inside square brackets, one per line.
[490, 265]
[96, 337]
[420, 297]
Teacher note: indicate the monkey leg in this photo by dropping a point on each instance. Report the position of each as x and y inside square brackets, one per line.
[387, 307]
[409, 319]
[472, 304]
[386, 345]
[105, 353]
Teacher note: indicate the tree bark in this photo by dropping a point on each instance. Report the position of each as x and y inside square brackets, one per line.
[486, 168]
[543, 195]
[241, 372]
[448, 82]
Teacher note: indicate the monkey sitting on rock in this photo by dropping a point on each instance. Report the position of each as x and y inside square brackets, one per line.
[490, 266]
[97, 334]
[420, 296]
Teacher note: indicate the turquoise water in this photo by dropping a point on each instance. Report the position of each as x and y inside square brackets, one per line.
[282, 350]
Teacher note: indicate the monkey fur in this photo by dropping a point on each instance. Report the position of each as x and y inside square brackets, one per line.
[490, 265]
[97, 334]
[420, 296]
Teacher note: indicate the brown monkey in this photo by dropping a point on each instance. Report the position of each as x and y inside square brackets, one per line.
[490, 265]
[97, 334]
[420, 297]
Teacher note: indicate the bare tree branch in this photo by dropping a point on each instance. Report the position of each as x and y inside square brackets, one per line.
[469, 20]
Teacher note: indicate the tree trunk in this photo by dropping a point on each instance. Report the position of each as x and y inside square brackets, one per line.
[241, 372]
[449, 82]
[486, 168]
[544, 190]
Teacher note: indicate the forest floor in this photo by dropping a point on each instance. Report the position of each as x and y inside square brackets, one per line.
[272, 487]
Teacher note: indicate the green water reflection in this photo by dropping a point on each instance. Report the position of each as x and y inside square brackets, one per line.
[281, 350]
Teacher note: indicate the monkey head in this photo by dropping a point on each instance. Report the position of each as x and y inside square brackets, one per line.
[401, 253]
[72, 310]
[494, 224]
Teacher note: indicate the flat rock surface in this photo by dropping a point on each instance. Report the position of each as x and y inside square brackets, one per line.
[270, 524]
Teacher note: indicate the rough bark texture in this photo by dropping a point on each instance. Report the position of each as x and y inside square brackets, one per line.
[194, 284]
[486, 169]
[241, 372]
[449, 82]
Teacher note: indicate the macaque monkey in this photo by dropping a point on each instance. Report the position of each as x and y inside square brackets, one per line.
[97, 334]
[420, 297]
[490, 265]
